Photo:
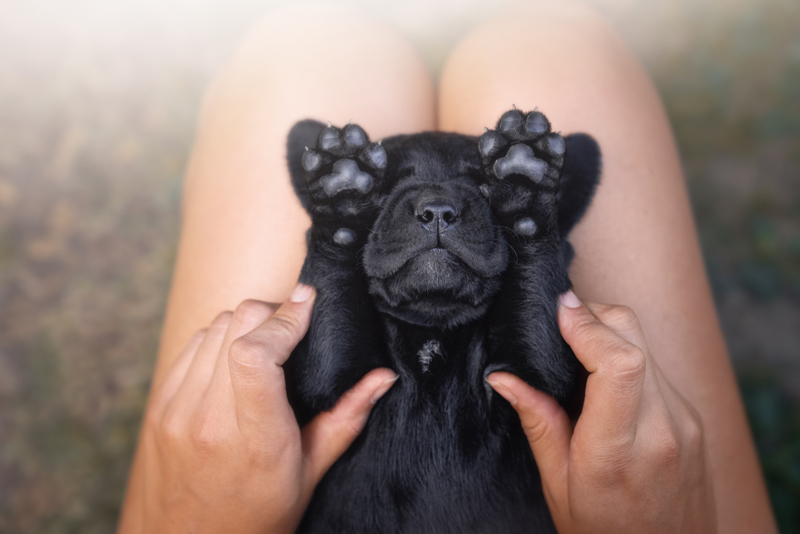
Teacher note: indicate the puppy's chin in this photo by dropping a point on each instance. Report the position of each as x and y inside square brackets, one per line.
[434, 289]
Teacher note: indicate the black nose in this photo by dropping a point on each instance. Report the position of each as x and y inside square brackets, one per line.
[436, 216]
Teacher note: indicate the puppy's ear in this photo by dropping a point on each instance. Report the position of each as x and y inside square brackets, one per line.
[303, 134]
[579, 180]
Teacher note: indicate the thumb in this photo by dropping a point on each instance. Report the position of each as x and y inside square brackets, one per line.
[330, 433]
[546, 426]
[255, 360]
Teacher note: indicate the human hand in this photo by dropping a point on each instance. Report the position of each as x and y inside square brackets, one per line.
[635, 460]
[221, 446]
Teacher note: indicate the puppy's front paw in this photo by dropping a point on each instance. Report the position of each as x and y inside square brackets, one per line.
[522, 162]
[523, 145]
[344, 175]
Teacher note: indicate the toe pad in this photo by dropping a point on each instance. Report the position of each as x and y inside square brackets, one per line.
[520, 159]
[537, 123]
[376, 156]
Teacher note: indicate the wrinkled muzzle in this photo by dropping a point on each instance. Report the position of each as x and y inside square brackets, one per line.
[435, 256]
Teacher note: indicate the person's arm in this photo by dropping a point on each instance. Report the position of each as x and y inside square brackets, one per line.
[220, 448]
[636, 460]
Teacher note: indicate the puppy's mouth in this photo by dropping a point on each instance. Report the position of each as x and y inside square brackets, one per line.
[434, 257]
[434, 287]
[433, 274]
[436, 270]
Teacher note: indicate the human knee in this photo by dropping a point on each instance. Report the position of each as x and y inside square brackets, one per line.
[539, 35]
[332, 60]
[320, 33]
[561, 57]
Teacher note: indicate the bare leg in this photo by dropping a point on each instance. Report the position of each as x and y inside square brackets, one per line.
[243, 233]
[637, 244]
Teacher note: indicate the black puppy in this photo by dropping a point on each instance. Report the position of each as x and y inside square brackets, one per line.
[440, 256]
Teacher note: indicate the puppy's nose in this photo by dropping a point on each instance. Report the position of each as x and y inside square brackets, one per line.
[436, 216]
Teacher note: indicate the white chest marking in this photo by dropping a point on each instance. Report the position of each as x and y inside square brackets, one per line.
[427, 352]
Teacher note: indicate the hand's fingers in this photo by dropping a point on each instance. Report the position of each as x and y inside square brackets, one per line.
[198, 376]
[255, 361]
[329, 434]
[618, 369]
[163, 392]
[547, 427]
[247, 316]
[622, 320]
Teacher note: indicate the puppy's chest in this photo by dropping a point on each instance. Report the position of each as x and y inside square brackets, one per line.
[430, 350]
[435, 359]
[441, 394]
[437, 444]
[435, 362]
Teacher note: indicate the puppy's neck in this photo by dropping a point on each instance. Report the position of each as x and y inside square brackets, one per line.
[432, 357]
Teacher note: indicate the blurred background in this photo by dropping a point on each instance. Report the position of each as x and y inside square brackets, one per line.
[98, 101]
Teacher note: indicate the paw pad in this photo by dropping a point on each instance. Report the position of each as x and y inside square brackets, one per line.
[556, 144]
[311, 160]
[329, 138]
[344, 161]
[525, 226]
[537, 123]
[519, 126]
[375, 155]
[354, 135]
[520, 159]
[344, 236]
[522, 144]
[346, 175]
[490, 143]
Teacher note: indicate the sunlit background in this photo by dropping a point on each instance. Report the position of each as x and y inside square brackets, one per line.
[98, 101]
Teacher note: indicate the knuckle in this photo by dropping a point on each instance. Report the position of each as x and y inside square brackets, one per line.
[251, 310]
[246, 352]
[171, 427]
[352, 427]
[694, 433]
[665, 442]
[222, 320]
[535, 430]
[205, 435]
[668, 449]
[347, 426]
[618, 316]
[626, 363]
[589, 330]
[283, 327]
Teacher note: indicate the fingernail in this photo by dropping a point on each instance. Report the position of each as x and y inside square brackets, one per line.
[301, 293]
[504, 391]
[569, 300]
[382, 389]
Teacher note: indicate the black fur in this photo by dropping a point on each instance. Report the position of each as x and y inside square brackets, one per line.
[440, 256]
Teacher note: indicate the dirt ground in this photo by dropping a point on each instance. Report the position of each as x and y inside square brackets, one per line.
[98, 102]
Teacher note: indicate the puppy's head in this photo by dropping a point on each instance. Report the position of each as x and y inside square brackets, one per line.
[434, 256]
